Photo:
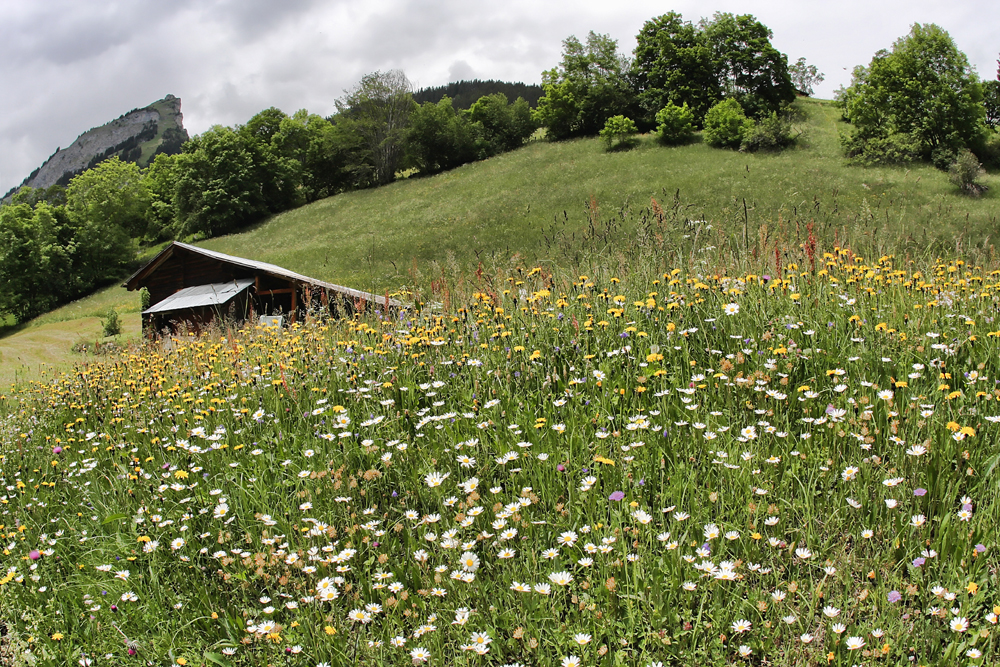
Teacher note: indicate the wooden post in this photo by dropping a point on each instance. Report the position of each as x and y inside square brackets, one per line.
[295, 303]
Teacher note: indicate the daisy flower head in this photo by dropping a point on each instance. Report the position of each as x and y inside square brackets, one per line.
[731, 308]
[854, 643]
[561, 578]
[742, 625]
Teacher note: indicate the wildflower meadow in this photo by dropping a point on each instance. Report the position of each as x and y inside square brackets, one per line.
[666, 467]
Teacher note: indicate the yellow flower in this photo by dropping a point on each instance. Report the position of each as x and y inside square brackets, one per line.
[972, 587]
[330, 630]
[182, 661]
[57, 636]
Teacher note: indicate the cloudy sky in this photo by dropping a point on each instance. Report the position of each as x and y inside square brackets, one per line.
[68, 65]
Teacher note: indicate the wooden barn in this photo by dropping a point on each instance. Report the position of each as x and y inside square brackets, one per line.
[190, 287]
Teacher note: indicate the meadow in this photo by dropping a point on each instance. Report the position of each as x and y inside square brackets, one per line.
[540, 204]
[682, 455]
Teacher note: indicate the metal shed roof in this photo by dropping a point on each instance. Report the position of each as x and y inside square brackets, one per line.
[201, 295]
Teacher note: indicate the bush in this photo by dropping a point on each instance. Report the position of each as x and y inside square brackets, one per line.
[674, 124]
[621, 128]
[770, 134]
[144, 299]
[965, 171]
[725, 124]
[895, 148]
[989, 152]
[112, 325]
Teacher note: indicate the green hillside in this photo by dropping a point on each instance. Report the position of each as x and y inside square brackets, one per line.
[536, 202]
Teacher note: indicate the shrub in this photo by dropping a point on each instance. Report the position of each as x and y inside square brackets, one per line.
[989, 152]
[965, 171]
[725, 124]
[621, 128]
[770, 134]
[112, 325]
[674, 124]
[895, 148]
[144, 299]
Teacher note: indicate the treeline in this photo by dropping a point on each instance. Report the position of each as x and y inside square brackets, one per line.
[465, 93]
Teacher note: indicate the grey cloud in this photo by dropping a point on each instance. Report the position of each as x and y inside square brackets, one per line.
[72, 64]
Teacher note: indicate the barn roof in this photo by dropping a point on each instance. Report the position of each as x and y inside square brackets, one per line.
[136, 279]
[216, 294]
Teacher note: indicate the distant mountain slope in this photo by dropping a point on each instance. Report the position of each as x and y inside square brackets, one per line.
[464, 94]
[136, 136]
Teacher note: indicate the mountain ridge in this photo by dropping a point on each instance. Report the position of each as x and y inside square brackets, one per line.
[137, 136]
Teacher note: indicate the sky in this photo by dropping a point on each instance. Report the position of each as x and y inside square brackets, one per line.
[69, 65]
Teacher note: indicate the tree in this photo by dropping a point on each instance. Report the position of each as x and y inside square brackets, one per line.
[317, 147]
[747, 67]
[160, 179]
[673, 65]
[264, 125]
[922, 93]
[505, 126]
[112, 195]
[224, 181]
[725, 124]
[38, 254]
[805, 76]
[378, 109]
[991, 102]
[439, 138]
[557, 109]
[618, 128]
[590, 85]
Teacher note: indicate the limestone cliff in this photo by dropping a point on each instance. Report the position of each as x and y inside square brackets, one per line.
[136, 136]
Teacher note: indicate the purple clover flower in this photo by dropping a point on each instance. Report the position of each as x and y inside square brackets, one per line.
[617, 495]
[894, 596]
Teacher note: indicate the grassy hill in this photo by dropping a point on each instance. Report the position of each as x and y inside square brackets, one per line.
[537, 202]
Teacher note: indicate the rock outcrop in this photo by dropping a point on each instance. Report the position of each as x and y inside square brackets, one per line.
[137, 136]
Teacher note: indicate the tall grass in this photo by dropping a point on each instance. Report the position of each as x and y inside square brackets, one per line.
[674, 451]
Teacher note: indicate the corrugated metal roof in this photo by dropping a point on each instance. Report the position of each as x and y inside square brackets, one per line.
[273, 269]
[201, 295]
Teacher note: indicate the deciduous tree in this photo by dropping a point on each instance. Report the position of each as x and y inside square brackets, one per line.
[805, 76]
[378, 109]
[673, 65]
[590, 85]
[923, 91]
[747, 67]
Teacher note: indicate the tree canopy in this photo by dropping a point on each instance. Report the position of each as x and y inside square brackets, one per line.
[673, 65]
[378, 110]
[590, 85]
[922, 93]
